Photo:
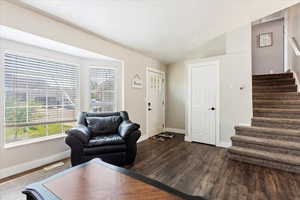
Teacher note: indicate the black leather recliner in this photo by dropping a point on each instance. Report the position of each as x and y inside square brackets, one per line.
[109, 136]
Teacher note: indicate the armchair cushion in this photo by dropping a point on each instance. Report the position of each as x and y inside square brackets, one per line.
[127, 127]
[80, 132]
[111, 139]
[104, 149]
[103, 125]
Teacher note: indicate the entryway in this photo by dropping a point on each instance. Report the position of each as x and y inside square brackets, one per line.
[155, 101]
[203, 109]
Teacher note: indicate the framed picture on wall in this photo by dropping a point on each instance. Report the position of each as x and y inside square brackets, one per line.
[265, 40]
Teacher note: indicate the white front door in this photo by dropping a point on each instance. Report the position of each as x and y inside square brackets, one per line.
[203, 102]
[155, 102]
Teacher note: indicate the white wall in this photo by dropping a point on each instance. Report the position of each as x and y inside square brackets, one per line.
[134, 99]
[235, 72]
[175, 96]
[294, 31]
[176, 81]
[268, 60]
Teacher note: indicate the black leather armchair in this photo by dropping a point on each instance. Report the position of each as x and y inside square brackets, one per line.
[109, 136]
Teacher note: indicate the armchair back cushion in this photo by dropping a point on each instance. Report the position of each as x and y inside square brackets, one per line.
[103, 125]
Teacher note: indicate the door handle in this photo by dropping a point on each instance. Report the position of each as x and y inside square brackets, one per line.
[149, 109]
[212, 108]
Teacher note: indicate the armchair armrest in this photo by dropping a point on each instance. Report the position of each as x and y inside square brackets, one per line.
[127, 127]
[80, 132]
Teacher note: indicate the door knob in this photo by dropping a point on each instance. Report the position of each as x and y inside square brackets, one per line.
[212, 108]
[149, 109]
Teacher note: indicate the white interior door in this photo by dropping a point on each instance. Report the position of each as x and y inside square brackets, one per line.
[203, 103]
[155, 102]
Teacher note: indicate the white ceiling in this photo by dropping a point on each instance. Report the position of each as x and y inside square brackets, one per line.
[168, 30]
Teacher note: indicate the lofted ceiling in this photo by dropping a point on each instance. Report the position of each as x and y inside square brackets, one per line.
[168, 30]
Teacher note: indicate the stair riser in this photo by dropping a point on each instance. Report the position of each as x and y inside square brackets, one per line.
[269, 136]
[276, 125]
[272, 76]
[274, 83]
[265, 163]
[259, 105]
[290, 115]
[274, 90]
[266, 148]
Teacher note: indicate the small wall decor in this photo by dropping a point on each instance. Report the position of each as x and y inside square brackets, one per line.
[265, 40]
[137, 82]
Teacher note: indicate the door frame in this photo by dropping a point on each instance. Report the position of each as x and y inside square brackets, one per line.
[149, 69]
[189, 99]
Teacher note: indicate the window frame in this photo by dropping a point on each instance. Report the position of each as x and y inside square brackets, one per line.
[116, 95]
[3, 107]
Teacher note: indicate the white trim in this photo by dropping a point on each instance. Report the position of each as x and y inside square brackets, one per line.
[224, 144]
[142, 138]
[242, 124]
[175, 130]
[297, 80]
[294, 45]
[10, 171]
[197, 64]
[122, 86]
[187, 139]
[286, 41]
[34, 140]
[148, 69]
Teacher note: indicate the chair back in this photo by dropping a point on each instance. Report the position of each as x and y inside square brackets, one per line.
[82, 116]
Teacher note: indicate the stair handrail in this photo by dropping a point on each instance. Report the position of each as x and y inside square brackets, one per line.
[295, 45]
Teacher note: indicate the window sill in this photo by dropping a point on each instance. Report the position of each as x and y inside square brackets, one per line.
[34, 140]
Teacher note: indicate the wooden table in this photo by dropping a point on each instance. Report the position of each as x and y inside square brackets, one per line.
[97, 180]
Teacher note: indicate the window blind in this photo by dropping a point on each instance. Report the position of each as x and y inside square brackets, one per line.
[41, 97]
[103, 89]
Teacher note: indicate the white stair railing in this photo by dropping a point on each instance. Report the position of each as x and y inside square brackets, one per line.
[295, 45]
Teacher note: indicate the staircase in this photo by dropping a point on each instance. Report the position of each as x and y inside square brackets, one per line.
[273, 139]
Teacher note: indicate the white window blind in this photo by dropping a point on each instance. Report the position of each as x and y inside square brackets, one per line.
[41, 97]
[103, 89]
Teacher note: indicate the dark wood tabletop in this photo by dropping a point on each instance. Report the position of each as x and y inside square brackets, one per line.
[98, 180]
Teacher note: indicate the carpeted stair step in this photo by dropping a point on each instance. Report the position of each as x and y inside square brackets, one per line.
[276, 96]
[276, 104]
[270, 133]
[277, 113]
[290, 163]
[272, 76]
[273, 82]
[279, 88]
[269, 145]
[276, 123]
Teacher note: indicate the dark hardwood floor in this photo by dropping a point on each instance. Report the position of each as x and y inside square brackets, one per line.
[191, 168]
[206, 171]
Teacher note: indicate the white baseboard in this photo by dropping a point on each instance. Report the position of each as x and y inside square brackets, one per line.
[297, 80]
[242, 124]
[224, 144]
[142, 138]
[175, 130]
[10, 171]
[187, 139]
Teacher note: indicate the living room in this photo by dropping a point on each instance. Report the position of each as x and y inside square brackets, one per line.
[193, 116]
